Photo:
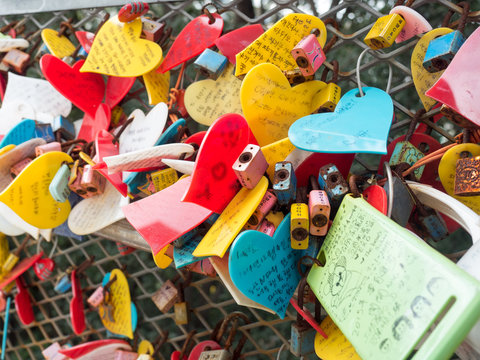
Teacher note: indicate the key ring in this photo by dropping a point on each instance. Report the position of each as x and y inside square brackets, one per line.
[359, 83]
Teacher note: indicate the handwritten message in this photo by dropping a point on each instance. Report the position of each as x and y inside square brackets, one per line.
[59, 46]
[184, 256]
[157, 86]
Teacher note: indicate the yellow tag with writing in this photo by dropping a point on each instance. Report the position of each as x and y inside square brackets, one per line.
[121, 302]
[59, 46]
[276, 152]
[271, 105]
[275, 218]
[157, 86]
[207, 100]
[145, 347]
[423, 79]
[446, 172]
[4, 249]
[164, 178]
[118, 50]
[336, 346]
[161, 259]
[274, 45]
[231, 221]
[6, 149]
[28, 194]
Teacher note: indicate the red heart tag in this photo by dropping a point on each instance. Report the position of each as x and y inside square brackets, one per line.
[117, 88]
[85, 38]
[377, 197]
[77, 314]
[214, 183]
[44, 268]
[192, 40]
[91, 126]
[23, 303]
[84, 90]
[235, 41]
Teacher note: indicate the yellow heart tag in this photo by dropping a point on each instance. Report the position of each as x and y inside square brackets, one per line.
[336, 346]
[161, 259]
[157, 86]
[271, 105]
[118, 50]
[423, 79]
[145, 347]
[231, 221]
[59, 46]
[276, 152]
[121, 302]
[446, 172]
[274, 45]
[207, 100]
[29, 197]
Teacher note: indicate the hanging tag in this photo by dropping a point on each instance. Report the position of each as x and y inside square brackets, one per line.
[122, 311]
[336, 346]
[85, 38]
[423, 79]
[182, 166]
[184, 256]
[23, 303]
[456, 87]
[207, 100]
[7, 227]
[23, 131]
[369, 263]
[144, 131]
[231, 221]
[257, 259]
[358, 124]
[198, 35]
[276, 152]
[164, 213]
[266, 84]
[236, 40]
[134, 58]
[161, 259]
[275, 44]
[97, 212]
[9, 44]
[377, 197]
[117, 88]
[84, 90]
[214, 182]
[92, 125]
[19, 269]
[415, 24]
[59, 46]
[98, 349]
[157, 86]
[77, 313]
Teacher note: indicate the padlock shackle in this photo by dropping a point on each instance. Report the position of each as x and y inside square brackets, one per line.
[463, 19]
[312, 259]
[335, 70]
[186, 344]
[22, 245]
[328, 46]
[409, 3]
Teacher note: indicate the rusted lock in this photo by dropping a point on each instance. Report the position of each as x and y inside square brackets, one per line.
[284, 182]
[296, 77]
[18, 167]
[165, 297]
[467, 176]
[334, 184]
[16, 59]
[92, 182]
[457, 118]
[250, 166]
[152, 30]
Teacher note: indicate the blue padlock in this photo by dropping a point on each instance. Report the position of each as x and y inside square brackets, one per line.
[440, 51]
[284, 182]
[44, 131]
[211, 63]
[65, 127]
[333, 183]
[63, 283]
[82, 53]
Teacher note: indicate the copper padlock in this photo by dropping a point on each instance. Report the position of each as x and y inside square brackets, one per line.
[165, 297]
[467, 177]
[16, 59]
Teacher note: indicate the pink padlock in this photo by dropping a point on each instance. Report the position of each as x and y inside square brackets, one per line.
[250, 166]
[96, 298]
[267, 203]
[267, 227]
[77, 187]
[42, 149]
[125, 355]
[309, 54]
[319, 212]
[18, 167]
[92, 181]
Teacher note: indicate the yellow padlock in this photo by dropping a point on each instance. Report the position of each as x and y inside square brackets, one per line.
[164, 178]
[384, 31]
[329, 98]
[13, 257]
[299, 226]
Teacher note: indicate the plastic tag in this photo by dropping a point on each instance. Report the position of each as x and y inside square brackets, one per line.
[415, 24]
[182, 166]
[23, 303]
[157, 86]
[236, 40]
[336, 346]
[134, 58]
[145, 347]
[85, 38]
[117, 88]
[161, 259]
[276, 152]
[266, 84]
[98, 349]
[59, 46]
[184, 256]
[358, 124]
[77, 313]
[23, 131]
[8, 44]
[377, 197]
[275, 44]
[91, 126]
[207, 100]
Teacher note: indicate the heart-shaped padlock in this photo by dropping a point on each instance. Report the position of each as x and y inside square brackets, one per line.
[44, 268]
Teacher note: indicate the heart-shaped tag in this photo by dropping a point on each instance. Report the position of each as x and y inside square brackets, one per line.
[77, 313]
[276, 152]
[97, 212]
[157, 86]
[20, 133]
[134, 58]
[9, 44]
[117, 88]
[98, 349]
[84, 90]
[11, 221]
[423, 79]
[85, 38]
[231, 221]
[257, 259]
[105, 146]
[122, 311]
[207, 100]
[198, 35]
[164, 213]
[44, 268]
[358, 125]
[12, 114]
[457, 87]
[276, 44]
[271, 105]
[7, 227]
[23, 303]
[91, 126]
[59, 46]
[236, 40]
[336, 346]
[377, 197]
[415, 24]
[144, 131]
[214, 182]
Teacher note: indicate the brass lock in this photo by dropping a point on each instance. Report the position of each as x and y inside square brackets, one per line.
[467, 176]
[384, 31]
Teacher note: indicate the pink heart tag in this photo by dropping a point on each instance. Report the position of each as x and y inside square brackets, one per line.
[92, 125]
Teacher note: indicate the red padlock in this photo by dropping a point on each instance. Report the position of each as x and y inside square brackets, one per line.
[44, 268]
[132, 11]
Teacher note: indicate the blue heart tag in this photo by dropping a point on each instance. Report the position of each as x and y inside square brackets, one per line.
[23, 131]
[358, 125]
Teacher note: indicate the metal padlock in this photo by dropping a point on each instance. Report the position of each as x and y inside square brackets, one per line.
[250, 166]
[266, 204]
[428, 223]
[334, 184]
[329, 98]
[319, 211]
[63, 283]
[308, 54]
[96, 298]
[441, 50]
[53, 146]
[18, 167]
[221, 354]
[162, 179]
[384, 31]
[165, 297]
[92, 181]
[284, 182]
[406, 152]
[125, 355]
[467, 176]
[402, 201]
[299, 226]
[152, 30]
[13, 257]
[211, 64]
[62, 126]
[296, 77]
[266, 227]
[76, 185]
[44, 131]
[16, 59]
[181, 310]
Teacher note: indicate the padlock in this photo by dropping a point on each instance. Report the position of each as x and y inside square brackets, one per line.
[266, 204]
[63, 283]
[441, 50]
[299, 226]
[467, 176]
[162, 179]
[329, 98]
[96, 298]
[18, 167]
[165, 297]
[211, 64]
[16, 59]
[125, 355]
[42, 149]
[62, 126]
[44, 131]
[402, 201]
[181, 310]
[132, 10]
[266, 227]
[406, 152]
[43, 268]
[76, 184]
[428, 223]
[319, 212]
[92, 181]
[308, 54]
[59, 186]
[250, 166]
[296, 77]
[334, 184]
[152, 30]
[13, 257]
[284, 182]
[384, 31]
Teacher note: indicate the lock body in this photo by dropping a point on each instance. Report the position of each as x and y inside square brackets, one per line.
[63, 284]
[42, 149]
[10, 263]
[162, 179]
[181, 313]
[333, 183]
[165, 297]
[64, 127]
[319, 211]
[467, 177]
[45, 132]
[96, 298]
[296, 77]
[18, 167]
[76, 185]
[17, 60]
[221, 354]
[406, 152]
[284, 182]
[329, 98]
[302, 340]
[250, 166]
[132, 10]
[268, 202]
[152, 30]
[92, 181]
[266, 227]
[299, 226]
[430, 225]
[441, 50]
[384, 31]
[211, 63]
[308, 55]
